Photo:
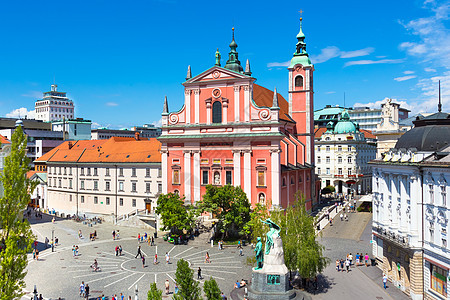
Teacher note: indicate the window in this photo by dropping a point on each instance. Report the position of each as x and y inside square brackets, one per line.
[205, 175]
[120, 171]
[88, 171]
[121, 186]
[82, 171]
[228, 177]
[431, 191]
[339, 148]
[299, 81]
[82, 184]
[70, 183]
[349, 148]
[283, 182]
[443, 195]
[147, 172]
[121, 201]
[65, 171]
[339, 171]
[133, 172]
[133, 186]
[300, 178]
[349, 159]
[95, 172]
[327, 149]
[107, 201]
[318, 148]
[328, 171]
[95, 200]
[133, 203]
[176, 177]
[217, 112]
[318, 171]
[319, 160]
[82, 199]
[107, 171]
[349, 172]
[59, 170]
[444, 243]
[95, 185]
[328, 160]
[159, 173]
[70, 170]
[159, 188]
[70, 198]
[107, 185]
[147, 187]
[261, 178]
[439, 280]
[339, 160]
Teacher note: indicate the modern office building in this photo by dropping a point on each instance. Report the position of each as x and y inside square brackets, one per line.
[73, 129]
[145, 131]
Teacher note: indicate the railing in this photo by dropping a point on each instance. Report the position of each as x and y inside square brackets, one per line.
[137, 212]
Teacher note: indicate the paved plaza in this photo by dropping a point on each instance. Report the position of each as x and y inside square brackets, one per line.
[59, 274]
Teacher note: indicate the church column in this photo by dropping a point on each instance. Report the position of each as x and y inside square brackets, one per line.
[208, 111]
[187, 175]
[187, 104]
[308, 110]
[246, 103]
[225, 110]
[275, 171]
[164, 170]
[237, 167]
[196, 175]
[197, 105]
[415, 203]
[236, 103]
[248, 174]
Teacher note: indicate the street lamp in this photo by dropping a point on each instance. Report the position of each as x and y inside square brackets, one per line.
[136, 293]
[53, 240]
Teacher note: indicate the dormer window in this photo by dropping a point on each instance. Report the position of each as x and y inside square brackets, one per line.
[217, 112]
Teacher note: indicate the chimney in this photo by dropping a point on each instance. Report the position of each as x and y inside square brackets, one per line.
[136, 136]
[70, 144]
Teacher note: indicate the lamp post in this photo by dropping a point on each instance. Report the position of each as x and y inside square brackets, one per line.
[53, 240]
[136, 293]
[35, 297]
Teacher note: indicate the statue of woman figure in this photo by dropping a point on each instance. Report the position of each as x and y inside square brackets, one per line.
[273, 232]
[259, 255]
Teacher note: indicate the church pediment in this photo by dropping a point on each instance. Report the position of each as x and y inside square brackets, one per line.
[216, 73]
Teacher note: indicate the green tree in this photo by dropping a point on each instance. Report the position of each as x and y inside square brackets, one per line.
[15, 233]
[230, 205]
[328, 190]
[174, 214]
[188, 287]
[154, 293]
[302, 251]
[211, 289]
[255, 228]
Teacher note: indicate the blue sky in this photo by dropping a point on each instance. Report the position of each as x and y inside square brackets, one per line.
[118, 59]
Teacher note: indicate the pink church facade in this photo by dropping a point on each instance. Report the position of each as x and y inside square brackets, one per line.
[232, 131]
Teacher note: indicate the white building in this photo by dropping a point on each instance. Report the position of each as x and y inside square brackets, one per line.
[74, 129]
[54, 106]
[103, 177]
[342, 153]
[411, 211]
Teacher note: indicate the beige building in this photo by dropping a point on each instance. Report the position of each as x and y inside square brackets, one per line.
[103, 177]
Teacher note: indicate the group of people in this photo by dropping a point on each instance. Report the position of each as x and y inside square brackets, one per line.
[75, 250]
[116, 234]
[146, 238]
[344, 265]
[93, 235]
[84, 293]
[118, 250]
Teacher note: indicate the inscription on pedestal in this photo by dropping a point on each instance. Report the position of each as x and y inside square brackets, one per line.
[273, 279]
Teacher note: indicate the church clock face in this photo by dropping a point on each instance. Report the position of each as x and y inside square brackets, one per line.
[216, 93]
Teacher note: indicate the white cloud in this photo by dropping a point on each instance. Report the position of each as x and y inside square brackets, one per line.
[33, 94]
[377, 104]
[408, 72]
[157, 123]
[111, 104]
[328, 53]
[371, 62]
[430, 45]
[331, 92]
[404, 78]
[21, 113]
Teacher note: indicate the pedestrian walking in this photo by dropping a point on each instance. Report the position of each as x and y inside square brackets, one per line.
[207, 258]
[80, 235]
[176, 288]
[240, 252]
[145, 236]
[167, 258]
[46, 242]
[155, 260]
[384, 281]
[199, 273]
[153, 241]
[366, 258]
[167, 286]
[139, 253]
[37, 254]
[139, 237]
[82, 289]
[114, 234]
[337, 264]
[86, 291]
[117, 234]
[117, 250]
[342, 265]
[347, 265]
[342, 216]
[350, 258]
[120, 250]
[143, 261]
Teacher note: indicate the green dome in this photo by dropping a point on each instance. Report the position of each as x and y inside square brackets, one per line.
[301, 59]
[344, 125]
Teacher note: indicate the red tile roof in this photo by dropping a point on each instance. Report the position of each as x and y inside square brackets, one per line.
[4, 140]
[264, 97]
[31, 173]
[114, 150]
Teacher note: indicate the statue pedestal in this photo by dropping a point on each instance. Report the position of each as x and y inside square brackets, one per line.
[272, 281]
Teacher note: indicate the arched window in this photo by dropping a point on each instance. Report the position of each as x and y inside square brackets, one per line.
[217, 112]
[262, 198]
[299, 81]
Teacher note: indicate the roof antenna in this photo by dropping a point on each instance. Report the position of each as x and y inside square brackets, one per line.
[344, 99]
[439, 105]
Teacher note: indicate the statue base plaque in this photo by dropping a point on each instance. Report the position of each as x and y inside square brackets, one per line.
[272, 281]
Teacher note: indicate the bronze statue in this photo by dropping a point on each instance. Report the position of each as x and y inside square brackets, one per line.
[259, 255]
[273, 232]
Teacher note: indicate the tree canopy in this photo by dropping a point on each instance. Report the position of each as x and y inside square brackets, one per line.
[15, 233]
[230, 205]
[212, 290]
[174, 214]
[255, 228]
[154, 293]
[302, 251]
[188, 287]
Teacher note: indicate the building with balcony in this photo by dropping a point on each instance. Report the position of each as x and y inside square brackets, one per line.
[411, 210]
[103, 177]
[53, 106]
[342, 152]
